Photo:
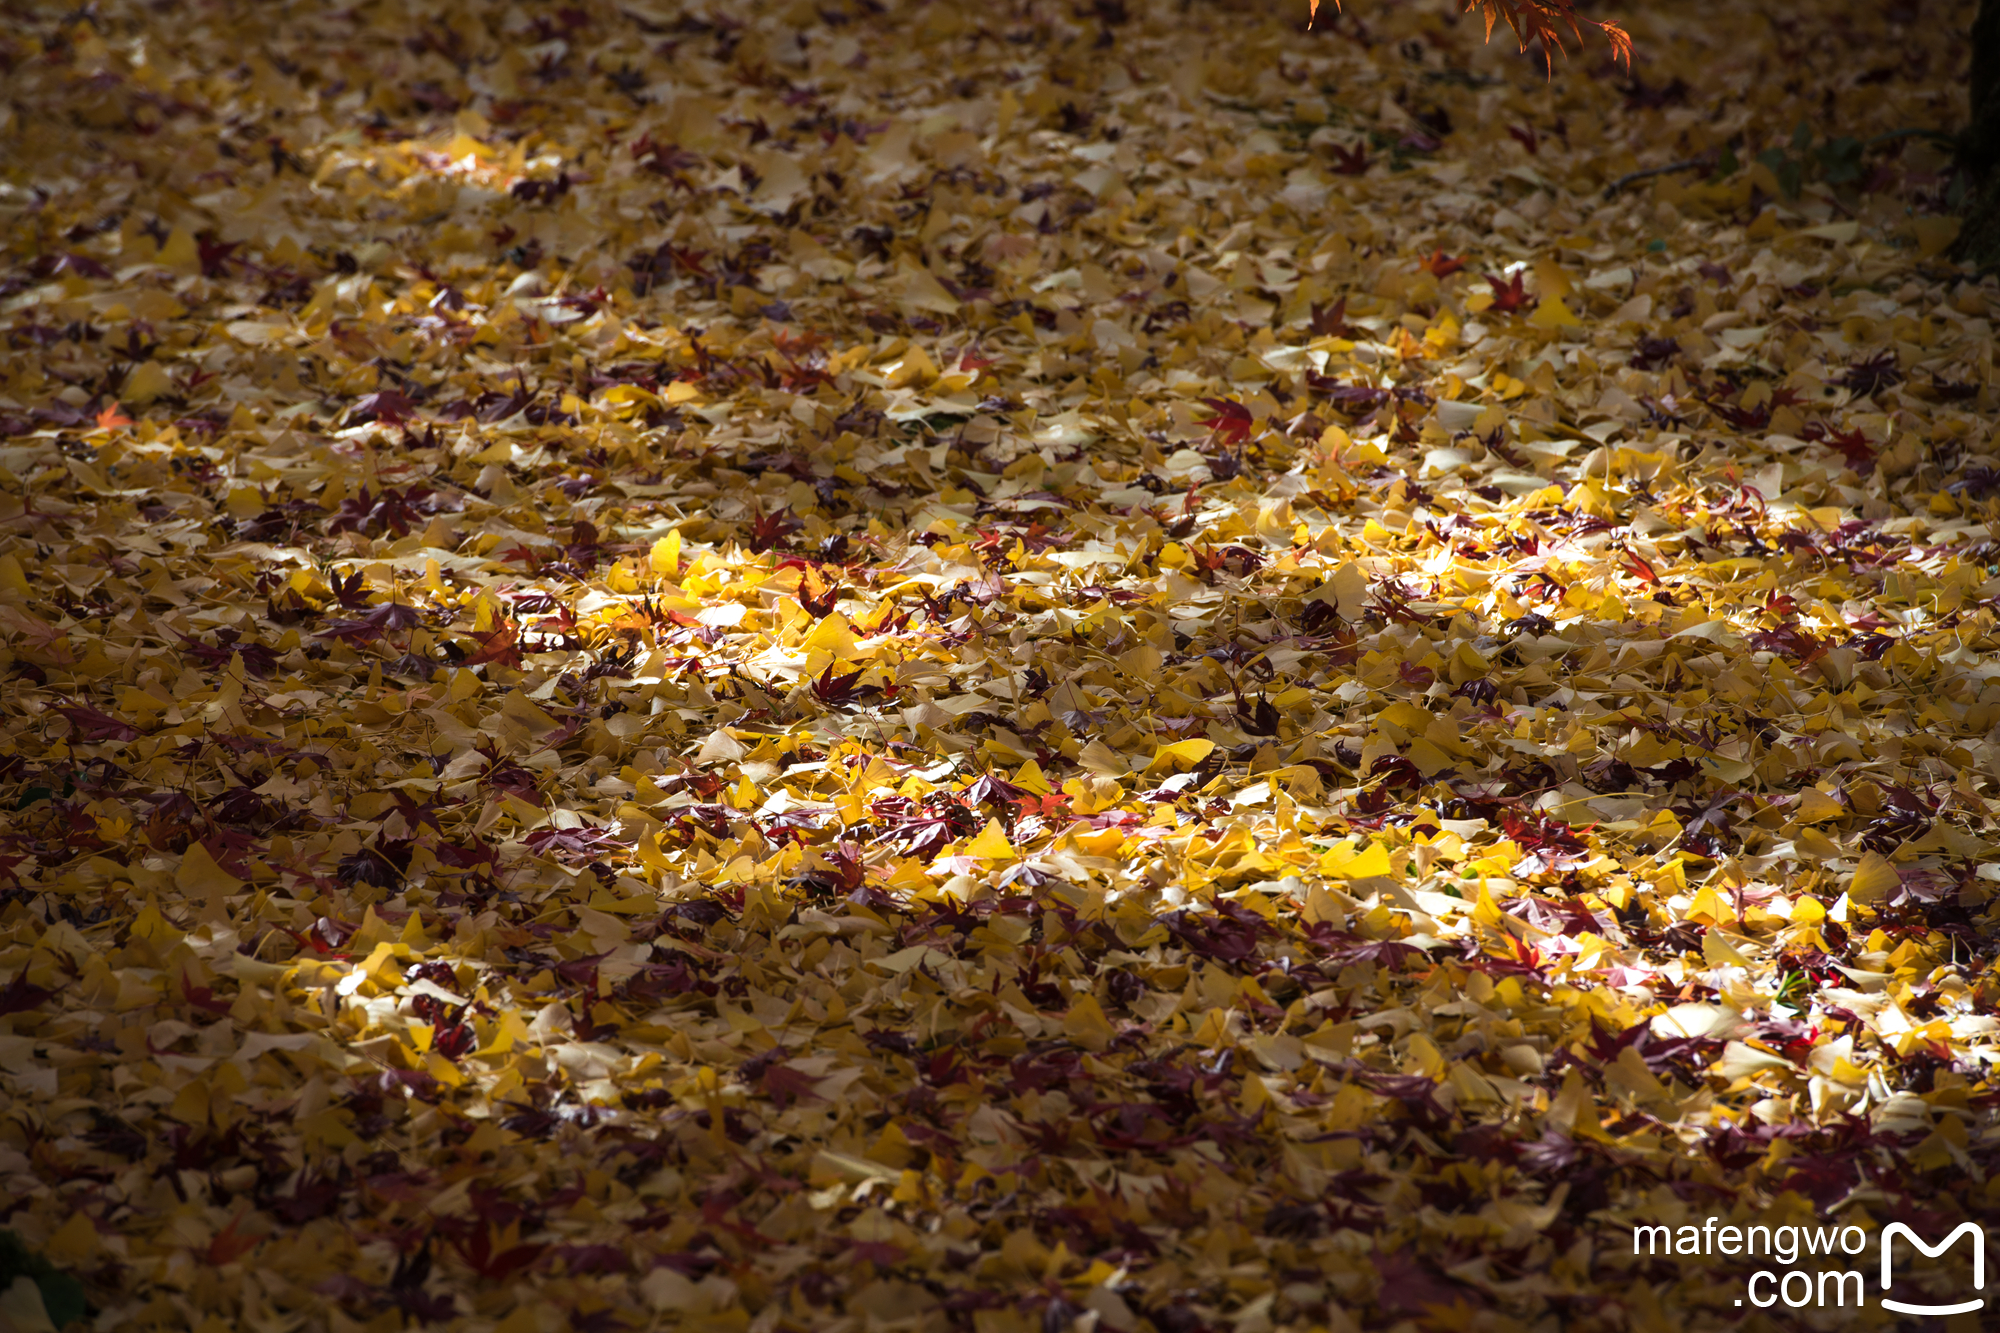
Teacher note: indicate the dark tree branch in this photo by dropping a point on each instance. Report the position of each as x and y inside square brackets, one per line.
[1980, 147]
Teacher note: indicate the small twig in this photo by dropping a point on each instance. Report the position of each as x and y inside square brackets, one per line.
[1611, 190]
[1689, 164]
[1937, 136]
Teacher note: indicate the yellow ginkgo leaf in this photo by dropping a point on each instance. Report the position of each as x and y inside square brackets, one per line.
[990, 843]
[1183, 754]
[1086, 1024]
[1554, 313]
[666, 555]
[1344, 862]
[200, 876]
[1874, 877]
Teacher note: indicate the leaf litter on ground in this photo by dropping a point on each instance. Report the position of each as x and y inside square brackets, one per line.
[886, 665]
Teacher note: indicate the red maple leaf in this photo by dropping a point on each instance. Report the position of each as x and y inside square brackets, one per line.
[1232, 421]
[111, 418]
[793, 345]
[1640, 568]
[768, 531]
[1350, 161]
[203, 997]
[1795, 643]
[835, 690]
[787, 1085]
[1508, 297]
[94, 724]
[818, 594]
[501, 646]
[1852, 444]
[18, 997]
[230, 1244]
[215, 255]
[384, 405]
[1331, 321]
[350, 591]
[478, 1251]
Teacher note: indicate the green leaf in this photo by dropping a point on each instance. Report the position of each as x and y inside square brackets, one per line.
[1839, 160]
[62, 1295]
[1788, 170]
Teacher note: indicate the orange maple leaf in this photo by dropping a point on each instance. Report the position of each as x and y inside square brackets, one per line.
[111, 418]
[1440, 264]
[1534, 20]
[1543, 21]
[230, 1244]
[502, 646]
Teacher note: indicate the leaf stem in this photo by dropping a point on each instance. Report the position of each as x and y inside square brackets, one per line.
[1612, 190]
[1631, 177]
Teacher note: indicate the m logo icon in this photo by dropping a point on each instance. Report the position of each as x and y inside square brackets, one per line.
[1971, 1229]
